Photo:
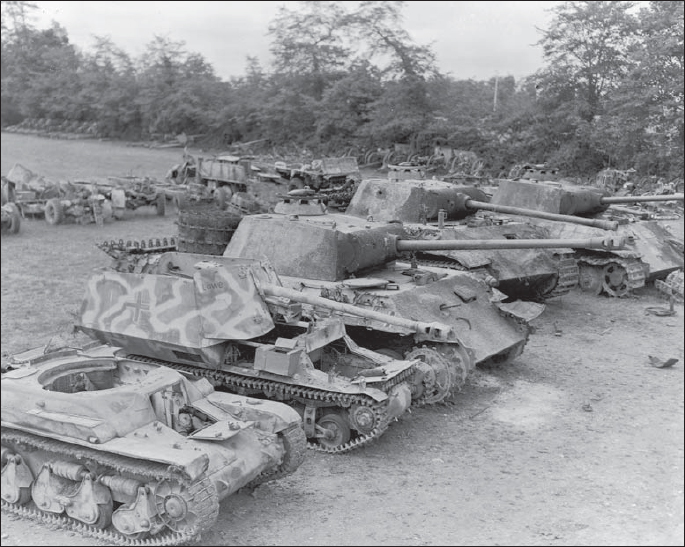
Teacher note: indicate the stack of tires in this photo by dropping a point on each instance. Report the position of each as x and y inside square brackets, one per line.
[205, 228]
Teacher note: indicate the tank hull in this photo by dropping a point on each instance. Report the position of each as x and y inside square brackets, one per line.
[89, 438]
[653, 251]
[529, 274]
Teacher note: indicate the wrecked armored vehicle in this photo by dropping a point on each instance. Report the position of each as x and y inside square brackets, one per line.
[432, 209]
[652, 252]
[232, 321]
[365, 263]
[132, 453]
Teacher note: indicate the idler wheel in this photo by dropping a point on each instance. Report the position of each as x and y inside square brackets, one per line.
[363, 418]
[590, 279]
[438, 379]
[181, 508]
[615, 280]
[334, 430]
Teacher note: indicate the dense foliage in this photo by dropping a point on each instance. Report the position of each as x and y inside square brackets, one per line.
[610, 93]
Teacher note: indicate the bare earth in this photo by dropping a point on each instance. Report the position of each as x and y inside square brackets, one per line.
[578, 442]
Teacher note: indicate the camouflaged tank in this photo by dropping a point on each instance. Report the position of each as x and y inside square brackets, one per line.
[653, 250]
[231, 321]
[132, 453]
[364, 263]
[432, 209]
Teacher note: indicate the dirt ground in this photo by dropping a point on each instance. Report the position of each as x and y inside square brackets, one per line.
[579, 441]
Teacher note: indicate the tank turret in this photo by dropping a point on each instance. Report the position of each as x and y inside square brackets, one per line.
[423, 201]
[653, 252]
[231, 320]
[565, 199]
[333, 247]
[366, 263]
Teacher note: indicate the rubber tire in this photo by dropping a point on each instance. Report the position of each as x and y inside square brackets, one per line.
[54, 212]
[15, 218]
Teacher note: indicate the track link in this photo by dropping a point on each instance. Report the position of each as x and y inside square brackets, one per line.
[278, 391]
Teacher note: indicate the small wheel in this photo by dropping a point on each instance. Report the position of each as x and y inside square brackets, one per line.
[14, 218]
[54, 211]
[336, 432]
[438, 377]
[104, 516]
[590, 279]
[615, 280]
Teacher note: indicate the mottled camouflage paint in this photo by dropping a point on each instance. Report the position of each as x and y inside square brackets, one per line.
[215, 305]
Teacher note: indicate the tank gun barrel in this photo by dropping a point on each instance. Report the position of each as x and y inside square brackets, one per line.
[437, 331]
[610, 200]
[506, 209]
[611, 243]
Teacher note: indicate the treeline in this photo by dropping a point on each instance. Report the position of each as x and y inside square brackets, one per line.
[610, 93]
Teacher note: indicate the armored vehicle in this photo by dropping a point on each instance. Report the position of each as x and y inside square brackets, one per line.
[432, 209]
[653, 250]
[132, 453]
[232, 321]
[364, 263]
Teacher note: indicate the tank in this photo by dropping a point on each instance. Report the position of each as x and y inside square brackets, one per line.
[653, 251]
[364, 263]
[132, 453]
[232, 321]
[432, 209]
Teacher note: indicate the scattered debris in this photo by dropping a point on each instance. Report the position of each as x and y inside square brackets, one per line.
[658, 363]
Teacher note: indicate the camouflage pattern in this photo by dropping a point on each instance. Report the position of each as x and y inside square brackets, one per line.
[193, 314]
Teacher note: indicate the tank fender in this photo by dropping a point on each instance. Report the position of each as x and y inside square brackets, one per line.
[270, 416]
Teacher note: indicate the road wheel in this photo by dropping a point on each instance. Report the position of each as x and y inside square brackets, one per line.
[334, 429]
[54, 211]
[14, 218]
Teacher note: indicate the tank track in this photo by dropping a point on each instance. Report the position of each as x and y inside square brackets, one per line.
[634, 272]
[202, 490]
[271, 389]
[295, 443]
[569, 276]
[116, 248]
